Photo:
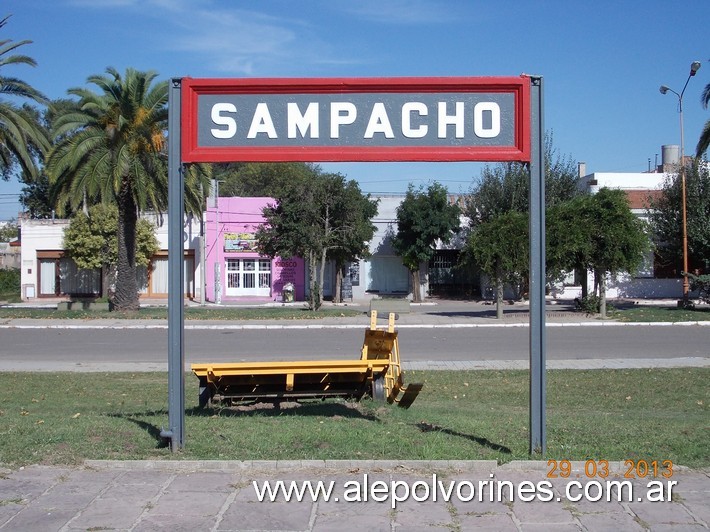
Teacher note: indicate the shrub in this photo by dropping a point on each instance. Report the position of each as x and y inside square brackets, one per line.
[701, 283]
[590, 304]
[10, 281]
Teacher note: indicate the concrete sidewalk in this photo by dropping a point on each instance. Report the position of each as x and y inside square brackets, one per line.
[222, 496]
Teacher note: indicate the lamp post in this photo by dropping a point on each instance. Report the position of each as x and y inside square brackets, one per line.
[694, 67]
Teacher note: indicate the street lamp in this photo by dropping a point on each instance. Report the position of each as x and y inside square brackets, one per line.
[694, 67]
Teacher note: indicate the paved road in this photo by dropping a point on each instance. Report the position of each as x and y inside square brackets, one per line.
[432, 344]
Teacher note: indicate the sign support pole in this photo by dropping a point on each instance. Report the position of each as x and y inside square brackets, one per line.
[176, 285]
[211, 135]
[538, 442]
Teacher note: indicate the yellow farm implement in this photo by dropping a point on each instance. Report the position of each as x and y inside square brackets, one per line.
[378, 374]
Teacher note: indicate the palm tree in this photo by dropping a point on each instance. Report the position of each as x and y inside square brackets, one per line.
[110, 147]
[704, 141]
[21, 135]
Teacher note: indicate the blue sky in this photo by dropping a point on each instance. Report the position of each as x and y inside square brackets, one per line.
[602, 61]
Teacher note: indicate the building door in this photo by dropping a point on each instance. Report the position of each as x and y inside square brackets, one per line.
[387, 275]
[48, 278]
[248, 277]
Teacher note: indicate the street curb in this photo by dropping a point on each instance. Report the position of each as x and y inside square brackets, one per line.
[320, 326]
[352, 466]
[290, 465]
[412, 365]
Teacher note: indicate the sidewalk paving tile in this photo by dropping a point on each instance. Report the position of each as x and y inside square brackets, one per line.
[424, 514]
[363, 516]
[107, 514]
[603, 522]
[662, 513]
[243, 515]
[497, 522]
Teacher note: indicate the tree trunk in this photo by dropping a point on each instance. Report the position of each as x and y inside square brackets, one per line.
[321, 280]
[338, 283]
[602, 294]
[416, 287]
[499, 293]
[105, 280]
[126, 295]
[313, 290]
[584, 276]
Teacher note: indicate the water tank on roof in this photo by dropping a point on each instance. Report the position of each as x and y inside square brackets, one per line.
[670, 154]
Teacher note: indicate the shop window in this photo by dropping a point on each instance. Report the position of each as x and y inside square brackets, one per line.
[248, 277]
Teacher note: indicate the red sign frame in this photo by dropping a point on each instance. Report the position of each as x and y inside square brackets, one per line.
[193, 88]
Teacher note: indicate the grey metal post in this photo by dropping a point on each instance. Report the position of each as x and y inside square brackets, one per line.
[176, 284]
[538, 443]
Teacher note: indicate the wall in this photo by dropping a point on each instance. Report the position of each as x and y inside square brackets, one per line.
[642, 285]
[43, 235]
[48, 235]
[383, 273]
[235, 217]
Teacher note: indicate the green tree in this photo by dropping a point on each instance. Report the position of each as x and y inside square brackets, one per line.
[505, 187]
[500, 248]
[21, 137]
[308, 220]
[9, 231]
[354, 212]
[109, 148]
[424, 217]
[704, 140]
[566, 241]
[38, 197]
[260, 179]
[92, 241]
[611, 238]
[665, 219]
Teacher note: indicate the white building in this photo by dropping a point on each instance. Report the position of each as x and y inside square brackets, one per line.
[383, 273]
[649, 282]
[46, 272]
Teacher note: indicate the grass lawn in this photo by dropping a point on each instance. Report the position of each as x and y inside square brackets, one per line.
[191, 313]
[657, 414]
[641, 313]
[10, 297]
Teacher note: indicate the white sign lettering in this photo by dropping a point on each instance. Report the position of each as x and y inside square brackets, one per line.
[412, 118]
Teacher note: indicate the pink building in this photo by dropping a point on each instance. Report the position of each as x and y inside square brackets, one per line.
[231, 256]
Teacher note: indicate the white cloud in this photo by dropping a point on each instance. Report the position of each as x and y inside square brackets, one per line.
[104, 4]
[400, 11]
[241, 41]
[231, 40]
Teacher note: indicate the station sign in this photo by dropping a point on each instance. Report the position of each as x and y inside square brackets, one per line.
[356, 119]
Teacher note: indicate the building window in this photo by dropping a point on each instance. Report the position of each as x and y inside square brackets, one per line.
[153, 280]
[264, 273]
[248, 277]
[59, 275]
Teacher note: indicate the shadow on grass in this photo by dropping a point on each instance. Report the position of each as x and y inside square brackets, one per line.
[152, 430]
[484, 442]
[285, 409]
